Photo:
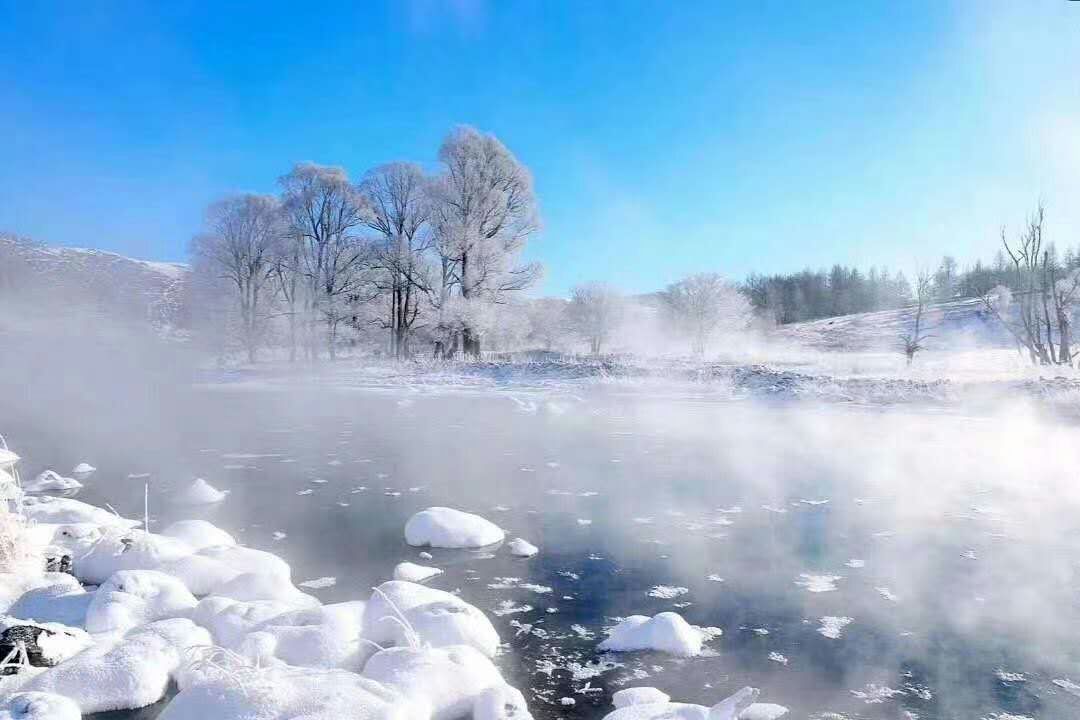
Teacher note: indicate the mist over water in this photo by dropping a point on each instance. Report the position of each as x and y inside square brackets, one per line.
[864, 561]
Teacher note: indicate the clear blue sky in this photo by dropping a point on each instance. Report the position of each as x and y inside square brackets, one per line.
[665, 138]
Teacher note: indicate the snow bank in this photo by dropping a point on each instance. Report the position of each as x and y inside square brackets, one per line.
[38, 706]
[200, 492]
[198, 534]
[666, 632]
[124, 672]
[449, 679]
[51, 481]
[411, 572]
[131, 598]
[437, 617]
[449, 528]
[522, 548]
[60, 511]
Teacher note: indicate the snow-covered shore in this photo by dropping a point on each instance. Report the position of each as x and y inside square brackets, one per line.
[189, 608]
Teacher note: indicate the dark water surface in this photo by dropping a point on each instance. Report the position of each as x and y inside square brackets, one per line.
[964, 604]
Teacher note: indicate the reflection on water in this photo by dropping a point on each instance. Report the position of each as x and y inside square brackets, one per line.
[863, 563]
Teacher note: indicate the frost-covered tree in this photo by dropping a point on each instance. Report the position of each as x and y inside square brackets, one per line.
[548, 324]
[912, 341]
[701, 305]
[399, 202]
[238, 245]
[482, 211]
[324, 210]
[595, 311]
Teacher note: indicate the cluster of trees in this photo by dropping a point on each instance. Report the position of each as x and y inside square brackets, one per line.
[400, 251]
[814, 294]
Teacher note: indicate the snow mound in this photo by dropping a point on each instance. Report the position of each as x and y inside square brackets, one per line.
[230, 621]
[59, 511]
[411, 572]
[438, 618]
[200, 492]
[255, 586]
[38, 706]
[51, 481]
[284, 693]
[83, 469]
[123, 672]
[198, 534]
[666, 632]
[522, 548]
[449, 679]
[114, 551]
[731, 708]
[763, 711]
[639, 696]
[131, 598]
[448, 528]
[323, 637]
[62, 601]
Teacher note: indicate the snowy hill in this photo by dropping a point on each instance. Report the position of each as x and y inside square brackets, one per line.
[61, 281]
[962, 323]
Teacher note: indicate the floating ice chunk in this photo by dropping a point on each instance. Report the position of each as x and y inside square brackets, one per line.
[818, 583]
[198, 534]
[38, 706]
[51, 481]
[61, 511]
[667, 592]
[832, 626]
[729, 709]
[876, 694]
[200, 492]
[319, 583]
[522, 548]
[131, 598]
[437, 617]
[887, 594]
[123, 672]
[449, 528]
[567, 701]
[778, 658]
[855, 563]
[639, 696]
[763, 711]
[450, 679]
[666, 632]
[83, 469]
[411, 572]
[280, 693]
[279, 535]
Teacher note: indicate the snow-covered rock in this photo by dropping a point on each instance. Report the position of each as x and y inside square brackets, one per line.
[198, 534]
[411, 572]
[438, 618]
[63, 600]
[130, 598]
[123, 672]
[639, 696]
[230, 621]
[60, 511]
[200, 492]
[256, 586]
[83, 470]
[666, 632]
[114, 551]
[450, 679]
[38, 706]
[763, 711]
[323, 637]
[448, 528]
[501, 703]
[51, 481]
[287, 693]
[522, 548]
[46, 643]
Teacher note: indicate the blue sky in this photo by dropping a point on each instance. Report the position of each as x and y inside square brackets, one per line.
[665, 138]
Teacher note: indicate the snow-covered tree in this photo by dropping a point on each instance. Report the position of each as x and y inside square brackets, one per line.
[397, 195]
[595, 311]
[701, 305]
[238, 246]
[324, 210]
[483, 210]
[549, 326]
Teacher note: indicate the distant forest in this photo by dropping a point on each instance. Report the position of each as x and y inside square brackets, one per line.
[815, 294]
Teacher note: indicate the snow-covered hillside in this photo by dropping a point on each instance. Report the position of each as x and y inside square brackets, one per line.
[107, 284]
